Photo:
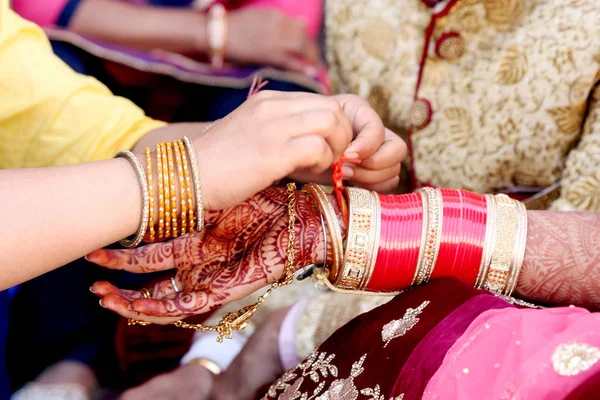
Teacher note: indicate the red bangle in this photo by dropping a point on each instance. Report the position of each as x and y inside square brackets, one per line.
[400, 240]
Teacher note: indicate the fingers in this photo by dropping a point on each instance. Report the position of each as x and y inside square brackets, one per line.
[367, 126]
[388, 186]
[367, 176]
[311, 153]
[391, 152]
[150, 258]
[120, 305]
[180, 304]
[380, 171]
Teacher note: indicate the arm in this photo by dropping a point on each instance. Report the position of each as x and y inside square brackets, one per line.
[255, 35]
[562, 259]
[226, 265]
[580, 186]
[65, 212]
[179, 30]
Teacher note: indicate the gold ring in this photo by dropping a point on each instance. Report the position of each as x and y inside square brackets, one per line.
[146, 293]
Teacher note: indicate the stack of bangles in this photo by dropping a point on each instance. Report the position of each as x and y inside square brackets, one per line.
[398, 241]
[178, 189]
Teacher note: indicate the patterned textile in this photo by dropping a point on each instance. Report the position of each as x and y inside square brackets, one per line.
[500, 94]
[362, 359]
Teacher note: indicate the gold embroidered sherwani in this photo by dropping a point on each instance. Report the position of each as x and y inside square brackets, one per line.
[495, 94]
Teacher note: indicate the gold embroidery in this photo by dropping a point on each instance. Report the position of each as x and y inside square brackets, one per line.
[503, 13]
[398, 327]
[585, 193]
[377, 38]
[318, 366]
[434, 71]
[569, 118]
[495, 81]
[379, 99]
[459, 124]
[571, 359]
[513, 66]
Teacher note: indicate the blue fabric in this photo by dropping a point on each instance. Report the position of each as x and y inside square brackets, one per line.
[4, 386]
[64, 19]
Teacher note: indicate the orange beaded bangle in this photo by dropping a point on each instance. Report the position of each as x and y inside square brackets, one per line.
[161, 194]
[182, 190]
[167, 190]
[151, 216]
[170, 160]
[188, 187]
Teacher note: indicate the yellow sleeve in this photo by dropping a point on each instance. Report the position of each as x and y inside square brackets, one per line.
[580, 186]
[50, 115]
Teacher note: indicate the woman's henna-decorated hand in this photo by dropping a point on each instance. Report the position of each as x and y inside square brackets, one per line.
[240, 250]
[562, 259]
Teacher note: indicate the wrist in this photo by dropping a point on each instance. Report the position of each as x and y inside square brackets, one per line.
[315, 248]
[197, 32]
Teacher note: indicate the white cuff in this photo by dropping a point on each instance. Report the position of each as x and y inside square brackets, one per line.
[287, 335]
[206, 346]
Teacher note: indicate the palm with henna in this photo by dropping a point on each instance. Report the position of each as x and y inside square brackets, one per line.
[241, 249]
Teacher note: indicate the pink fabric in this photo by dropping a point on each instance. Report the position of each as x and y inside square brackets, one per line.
[309, 11]
[508, 354]
[42, 12]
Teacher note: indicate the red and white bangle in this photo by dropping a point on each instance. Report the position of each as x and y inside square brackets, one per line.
[216, 29]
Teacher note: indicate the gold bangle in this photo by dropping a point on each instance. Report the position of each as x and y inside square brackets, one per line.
[188, 187]
[212, 366]
[375, 245]
[161, 194]
[151, 215]
[358, 259]
[502, 255]
[167, 190]
[143, 180]
[333, 226]
[430, 241]
[519, 249]
[197, 183]
[489, 241]
[173, 199]
[182, 191]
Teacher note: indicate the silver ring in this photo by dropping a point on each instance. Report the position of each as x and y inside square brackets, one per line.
[175, 285]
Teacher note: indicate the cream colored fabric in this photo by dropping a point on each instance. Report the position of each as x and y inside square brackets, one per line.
[327, 312]
[508, 112]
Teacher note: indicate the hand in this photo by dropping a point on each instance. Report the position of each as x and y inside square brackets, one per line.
[256, 366]
[240, 250]
[190, 381]
[380, 150]
[267, 36]
[275, 134]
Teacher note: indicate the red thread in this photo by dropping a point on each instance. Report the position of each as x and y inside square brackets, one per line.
[338, 184]
[257, 84]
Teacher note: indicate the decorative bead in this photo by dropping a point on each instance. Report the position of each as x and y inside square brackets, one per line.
[450, 46]
[420, 114]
